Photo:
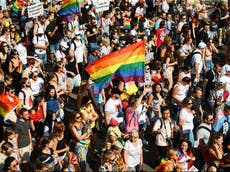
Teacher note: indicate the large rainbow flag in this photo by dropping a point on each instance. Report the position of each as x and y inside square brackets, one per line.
[69, 9]
[127, 64]
[17, 6]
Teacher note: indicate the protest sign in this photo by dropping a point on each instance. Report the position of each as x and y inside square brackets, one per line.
[35, 10]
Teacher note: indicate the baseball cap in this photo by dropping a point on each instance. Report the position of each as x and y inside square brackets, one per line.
[201, 45]
[77, 32]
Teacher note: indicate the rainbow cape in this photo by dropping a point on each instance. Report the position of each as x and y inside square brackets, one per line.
[69, 9]
[126, 65]
[6, 106]
[17, 6]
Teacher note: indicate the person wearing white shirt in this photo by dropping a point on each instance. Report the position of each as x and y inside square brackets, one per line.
[133, 153]
[226, 67]
[41, 43]
[226, 80]
[197, 61]
[21, 51]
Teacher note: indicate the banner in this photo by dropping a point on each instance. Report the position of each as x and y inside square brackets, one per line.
[102, 5]
[35, 10]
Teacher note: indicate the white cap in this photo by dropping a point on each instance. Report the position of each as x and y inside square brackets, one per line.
[40, 31]
[64, 44]
[77, 32]
[201, 45]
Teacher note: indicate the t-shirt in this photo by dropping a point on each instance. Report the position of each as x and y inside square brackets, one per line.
[188, 120]
[114, 107]
[226, 80]
[197, 58]
[131, 119]
[165, 131]
[22, 129]
[133, 157]
[160, 34]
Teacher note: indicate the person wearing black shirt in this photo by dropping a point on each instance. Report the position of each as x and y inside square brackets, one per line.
[92, 32]
[211, 78]
[54, 31]
[72, 70]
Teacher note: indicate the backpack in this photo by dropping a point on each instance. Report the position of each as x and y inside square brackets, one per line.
[74, 44]
[188, 60]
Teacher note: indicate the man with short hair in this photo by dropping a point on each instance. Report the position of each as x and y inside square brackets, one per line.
[205, 128]
[197, 62]
[24, 138]
[163, 129]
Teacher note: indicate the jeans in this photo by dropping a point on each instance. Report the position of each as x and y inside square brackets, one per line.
[188, 134]
[43, 57]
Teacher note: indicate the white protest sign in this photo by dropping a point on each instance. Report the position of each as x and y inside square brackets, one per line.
[102, 5]
[35, 10]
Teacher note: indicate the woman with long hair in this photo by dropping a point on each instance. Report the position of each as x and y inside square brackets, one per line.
[214, 149]
[169, 62]
[59, 141]
[81, 133]
[4, 52]
[37, 116]
[13, 66]
[185, 155]
[186, 116]
[108, 162]
[156, 99]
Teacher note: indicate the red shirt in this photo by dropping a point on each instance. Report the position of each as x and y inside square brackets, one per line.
[160, 33]
[37, 116]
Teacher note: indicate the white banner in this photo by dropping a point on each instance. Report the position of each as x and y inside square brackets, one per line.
[102, 5]
[35, 10]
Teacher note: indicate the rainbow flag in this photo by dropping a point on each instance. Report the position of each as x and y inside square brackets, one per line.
[126, 65]
[127, 24]
[69, 9]
[17, 6]
[6, 106]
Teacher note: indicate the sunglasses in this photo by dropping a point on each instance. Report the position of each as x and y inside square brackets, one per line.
[15, 53]
[190, 103]
[4, 46]
[35, 76]
[15, 165]
[12, 92]
[78, 117]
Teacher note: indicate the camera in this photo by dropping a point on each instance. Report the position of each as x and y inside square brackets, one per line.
[169, 142]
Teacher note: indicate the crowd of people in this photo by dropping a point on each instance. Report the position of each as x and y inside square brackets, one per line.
[51, 119]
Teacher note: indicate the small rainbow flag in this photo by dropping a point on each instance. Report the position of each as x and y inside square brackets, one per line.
[127, 64]
[17, 6]
[127, 24]
[69, 9]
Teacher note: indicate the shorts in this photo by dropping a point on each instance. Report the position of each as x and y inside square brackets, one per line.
[54, 48]
[24, 153]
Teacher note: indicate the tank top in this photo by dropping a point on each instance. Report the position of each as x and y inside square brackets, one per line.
[61, 145]
[71, 66]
